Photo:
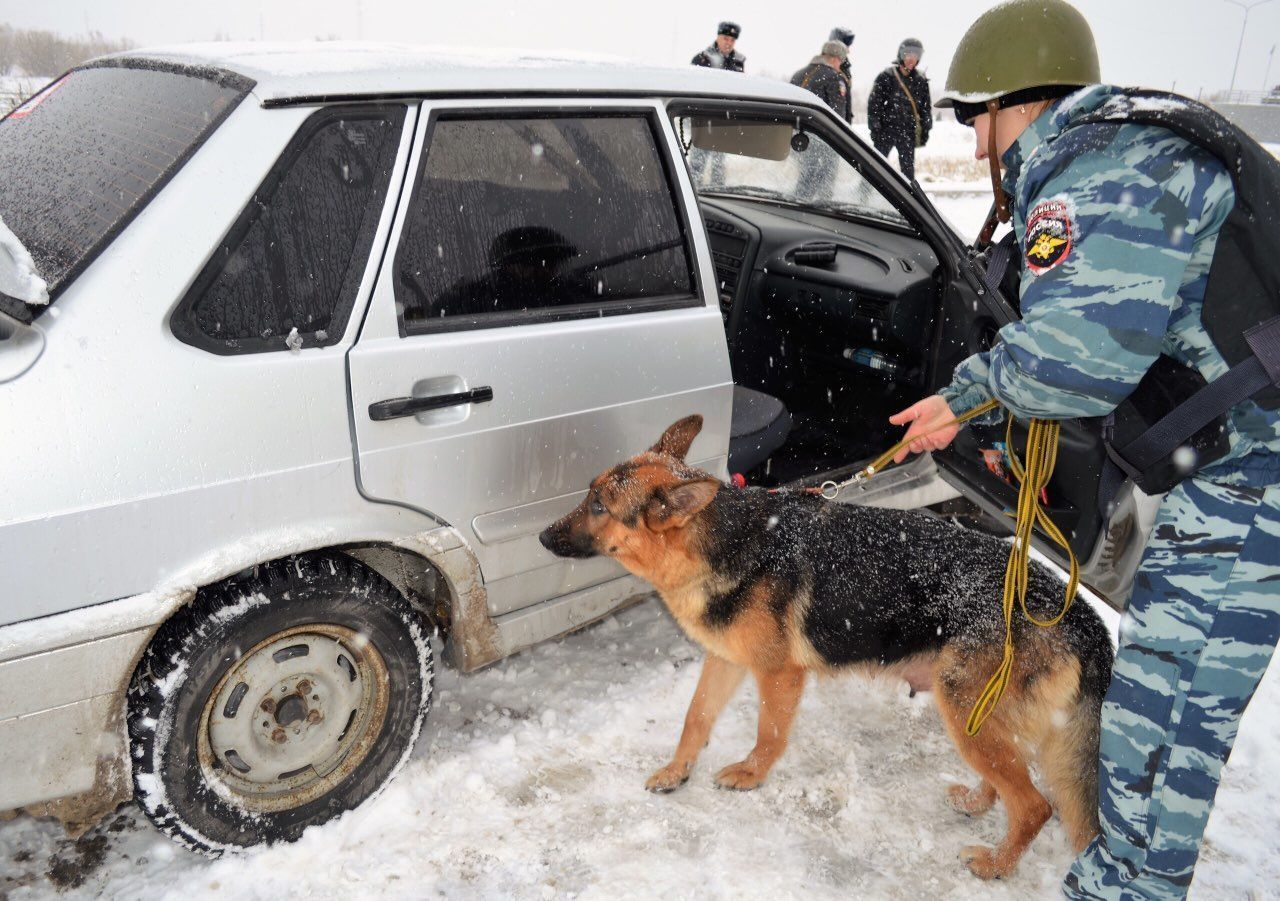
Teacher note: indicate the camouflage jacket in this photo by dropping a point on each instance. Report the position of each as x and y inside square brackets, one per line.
[1117, 225]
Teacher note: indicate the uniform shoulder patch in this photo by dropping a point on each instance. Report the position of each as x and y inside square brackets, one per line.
[1049, 234]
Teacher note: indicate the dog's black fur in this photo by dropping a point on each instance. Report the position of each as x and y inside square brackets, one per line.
[885, 584]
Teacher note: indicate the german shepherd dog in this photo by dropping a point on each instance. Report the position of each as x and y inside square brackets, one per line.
[781, 584]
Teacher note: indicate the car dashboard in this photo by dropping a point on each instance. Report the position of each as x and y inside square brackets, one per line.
[862, 296]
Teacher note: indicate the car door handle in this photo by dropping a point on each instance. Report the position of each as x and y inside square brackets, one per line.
[396, 407]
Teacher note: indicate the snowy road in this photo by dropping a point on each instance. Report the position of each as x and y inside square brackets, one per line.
[528, 783]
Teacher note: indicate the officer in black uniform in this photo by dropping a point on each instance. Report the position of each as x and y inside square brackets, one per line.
[898, 109]
[722, 53]
[822, 77]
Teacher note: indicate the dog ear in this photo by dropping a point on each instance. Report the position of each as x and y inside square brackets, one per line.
[673, 506]
[679, 435]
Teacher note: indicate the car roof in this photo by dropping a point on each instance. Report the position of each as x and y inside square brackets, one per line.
[294, 72]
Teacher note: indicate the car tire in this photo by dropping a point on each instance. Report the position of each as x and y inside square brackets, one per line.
[277, 701]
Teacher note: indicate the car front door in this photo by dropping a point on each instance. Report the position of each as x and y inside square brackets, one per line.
[542, 312]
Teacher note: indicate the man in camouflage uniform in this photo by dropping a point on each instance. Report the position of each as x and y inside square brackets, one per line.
[1118, 225]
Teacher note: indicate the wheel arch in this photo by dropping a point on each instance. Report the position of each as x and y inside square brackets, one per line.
[435, 570]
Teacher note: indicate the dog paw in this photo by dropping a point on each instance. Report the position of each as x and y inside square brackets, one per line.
[985, 863]
[668, 779]
[739, 777]
[969, 801]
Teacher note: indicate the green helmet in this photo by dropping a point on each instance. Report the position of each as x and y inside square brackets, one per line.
[1019, 45]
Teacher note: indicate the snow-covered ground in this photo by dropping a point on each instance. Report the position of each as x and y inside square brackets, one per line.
[529, 782]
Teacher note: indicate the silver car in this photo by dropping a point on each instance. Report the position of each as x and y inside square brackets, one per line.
[332, 333]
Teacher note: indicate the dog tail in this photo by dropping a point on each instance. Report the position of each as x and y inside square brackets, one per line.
[1069, 753]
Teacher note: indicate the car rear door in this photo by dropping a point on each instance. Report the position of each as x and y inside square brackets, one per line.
[542, 312]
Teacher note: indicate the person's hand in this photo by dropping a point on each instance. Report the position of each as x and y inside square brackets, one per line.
[925, 416]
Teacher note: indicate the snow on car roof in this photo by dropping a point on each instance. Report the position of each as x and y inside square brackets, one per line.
[318, 69]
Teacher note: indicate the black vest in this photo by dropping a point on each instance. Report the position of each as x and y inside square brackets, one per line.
[1173, 406]
[1244, 277]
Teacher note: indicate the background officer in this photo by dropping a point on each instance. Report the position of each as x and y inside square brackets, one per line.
[822, 77]
[722, 53]
[1118, 223]
[844, 36]
[899, 110]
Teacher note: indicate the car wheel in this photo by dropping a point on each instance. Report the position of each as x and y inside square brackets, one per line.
[277, 701]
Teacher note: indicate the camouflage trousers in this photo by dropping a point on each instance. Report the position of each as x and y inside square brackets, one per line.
[1196, 640]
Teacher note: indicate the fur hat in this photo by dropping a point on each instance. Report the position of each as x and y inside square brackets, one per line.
[836, 49]
[732, 29]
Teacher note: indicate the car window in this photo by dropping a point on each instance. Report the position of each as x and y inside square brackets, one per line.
[530, 217]
[288, 272]
[809, 173]
[83, 156]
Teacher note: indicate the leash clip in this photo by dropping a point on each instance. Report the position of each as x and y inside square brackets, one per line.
[831, 490]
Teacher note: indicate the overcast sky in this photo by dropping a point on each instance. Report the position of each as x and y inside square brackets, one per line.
[1148, 42]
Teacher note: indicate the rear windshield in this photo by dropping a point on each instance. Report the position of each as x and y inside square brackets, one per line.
[80, 159]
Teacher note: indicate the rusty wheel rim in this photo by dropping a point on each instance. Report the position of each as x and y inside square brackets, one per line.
[293, 717]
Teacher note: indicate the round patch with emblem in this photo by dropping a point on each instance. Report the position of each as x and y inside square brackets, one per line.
[1048, 236]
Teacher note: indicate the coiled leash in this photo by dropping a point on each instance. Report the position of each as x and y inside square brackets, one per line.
[1042, 455]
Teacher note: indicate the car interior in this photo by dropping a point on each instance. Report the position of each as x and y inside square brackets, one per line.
[823, 317]
[828, 311]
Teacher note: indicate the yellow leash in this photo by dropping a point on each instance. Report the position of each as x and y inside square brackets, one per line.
[1042, 455]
